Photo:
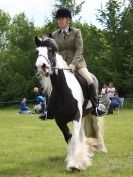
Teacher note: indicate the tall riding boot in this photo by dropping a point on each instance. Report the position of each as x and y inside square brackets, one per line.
[94, 100]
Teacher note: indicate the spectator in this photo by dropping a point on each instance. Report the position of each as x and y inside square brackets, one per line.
[23, 107]
[115, 103]
[111, 91]
[40, 105]
[104, 102]
[36, 91]
[104, 89]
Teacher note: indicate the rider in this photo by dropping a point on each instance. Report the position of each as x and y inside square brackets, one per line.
[70, 45]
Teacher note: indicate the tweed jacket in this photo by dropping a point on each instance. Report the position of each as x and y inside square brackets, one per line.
[71, 48]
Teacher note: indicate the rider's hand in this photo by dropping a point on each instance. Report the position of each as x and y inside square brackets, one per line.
[72, 67]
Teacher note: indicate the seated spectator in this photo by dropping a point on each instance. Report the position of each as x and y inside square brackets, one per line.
[111, 90]
[115, 103]
[37, 109]
[23, 107]
[104, 102]
[104, 89]
[40, 105]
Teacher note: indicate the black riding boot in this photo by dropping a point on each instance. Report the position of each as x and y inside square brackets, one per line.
[94, 100]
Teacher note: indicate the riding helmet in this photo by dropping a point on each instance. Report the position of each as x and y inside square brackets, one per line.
[63, 12]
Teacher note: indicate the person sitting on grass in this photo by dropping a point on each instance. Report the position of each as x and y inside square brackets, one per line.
[40, 104]
[23, 107]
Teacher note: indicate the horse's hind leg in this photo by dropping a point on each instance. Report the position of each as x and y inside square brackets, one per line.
[94, 127]
[99, 129]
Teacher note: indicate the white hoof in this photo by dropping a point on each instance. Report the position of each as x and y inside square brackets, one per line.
[102, 149]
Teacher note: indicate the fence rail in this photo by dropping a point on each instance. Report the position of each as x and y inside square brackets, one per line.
[10, 103]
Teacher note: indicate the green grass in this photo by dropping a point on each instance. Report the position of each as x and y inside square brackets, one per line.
[33, 148]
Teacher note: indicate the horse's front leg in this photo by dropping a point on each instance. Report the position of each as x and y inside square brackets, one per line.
[78, 156]
[64, 128]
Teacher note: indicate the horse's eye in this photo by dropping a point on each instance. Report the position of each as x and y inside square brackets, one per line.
[36, 53]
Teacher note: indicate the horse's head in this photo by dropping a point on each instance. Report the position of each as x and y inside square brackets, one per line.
[46, 51]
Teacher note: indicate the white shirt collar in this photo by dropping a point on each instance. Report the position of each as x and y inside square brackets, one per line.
[65, 29]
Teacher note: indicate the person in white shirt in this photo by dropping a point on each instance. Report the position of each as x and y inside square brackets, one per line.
[104, 89]
[111, 90]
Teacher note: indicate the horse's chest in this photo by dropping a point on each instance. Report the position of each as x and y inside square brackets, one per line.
[64, 104]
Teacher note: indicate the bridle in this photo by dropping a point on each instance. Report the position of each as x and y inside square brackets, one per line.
[51, 64]
[40, 55]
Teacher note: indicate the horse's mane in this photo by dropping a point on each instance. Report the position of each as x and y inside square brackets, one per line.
[45, 83]
[46, 41]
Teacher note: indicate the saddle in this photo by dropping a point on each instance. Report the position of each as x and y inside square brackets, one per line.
[84, 85]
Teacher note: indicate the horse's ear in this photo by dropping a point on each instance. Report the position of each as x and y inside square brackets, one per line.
[38, 41]
[50, 35]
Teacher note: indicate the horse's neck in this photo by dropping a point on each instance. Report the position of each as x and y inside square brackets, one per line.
[58, 79]
[60, 63]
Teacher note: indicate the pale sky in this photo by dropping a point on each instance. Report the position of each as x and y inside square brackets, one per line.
[39, 10]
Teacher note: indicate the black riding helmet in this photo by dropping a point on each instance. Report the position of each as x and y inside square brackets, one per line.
[63, 12]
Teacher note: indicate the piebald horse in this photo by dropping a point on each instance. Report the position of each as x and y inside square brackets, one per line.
[67, 103]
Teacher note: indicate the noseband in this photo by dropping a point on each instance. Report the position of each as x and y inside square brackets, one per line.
[51, 58]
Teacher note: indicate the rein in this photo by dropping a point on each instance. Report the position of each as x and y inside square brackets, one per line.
[69, 69]
[62, 68]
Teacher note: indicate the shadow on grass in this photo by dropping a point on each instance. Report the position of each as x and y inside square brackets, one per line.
[51, 165]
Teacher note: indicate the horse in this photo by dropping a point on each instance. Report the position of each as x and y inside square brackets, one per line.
[67, 103]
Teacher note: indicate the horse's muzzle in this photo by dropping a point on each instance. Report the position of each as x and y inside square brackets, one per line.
[44, 70]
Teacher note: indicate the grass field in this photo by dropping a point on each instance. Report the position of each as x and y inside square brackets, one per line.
[33, 148]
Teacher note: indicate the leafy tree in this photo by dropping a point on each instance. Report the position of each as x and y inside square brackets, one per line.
[17, 62]
[126, 41]
[119, 38]
[70, 4]
[4, 27]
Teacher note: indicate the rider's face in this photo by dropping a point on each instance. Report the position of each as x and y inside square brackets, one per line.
[63, 22]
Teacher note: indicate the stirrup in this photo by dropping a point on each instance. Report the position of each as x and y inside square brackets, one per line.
[43, 116]
[100, 112]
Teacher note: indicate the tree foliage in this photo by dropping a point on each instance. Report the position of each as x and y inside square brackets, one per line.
[17, 61]
[108, 52]
[119, 34]
[70, 4]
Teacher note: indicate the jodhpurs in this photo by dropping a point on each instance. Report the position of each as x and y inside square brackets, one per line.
[86, 74]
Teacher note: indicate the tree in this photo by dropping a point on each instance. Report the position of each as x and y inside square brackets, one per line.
[4, 27]
[17, 62]
[115, 20]
[70, 4]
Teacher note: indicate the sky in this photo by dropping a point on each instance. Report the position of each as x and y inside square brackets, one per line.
[40, 10]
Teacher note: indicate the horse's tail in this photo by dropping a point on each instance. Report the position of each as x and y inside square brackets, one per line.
[46, 83]
[94, 127]
[89, 126]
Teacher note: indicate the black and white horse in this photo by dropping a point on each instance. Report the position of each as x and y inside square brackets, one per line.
[67, 104]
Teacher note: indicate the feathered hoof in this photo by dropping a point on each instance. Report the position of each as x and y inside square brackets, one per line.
[76, 168]
[102, 149]
[73, 169]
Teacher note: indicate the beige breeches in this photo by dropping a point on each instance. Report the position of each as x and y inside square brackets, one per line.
[86, 74]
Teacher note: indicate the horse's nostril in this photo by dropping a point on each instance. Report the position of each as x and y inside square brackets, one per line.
[47, 74]
[43, 67]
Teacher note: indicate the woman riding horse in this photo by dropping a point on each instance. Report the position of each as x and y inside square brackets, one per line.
[66, 104]
[70, 45]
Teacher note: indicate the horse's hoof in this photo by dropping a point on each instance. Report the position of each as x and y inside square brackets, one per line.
[74, 169]
[43, 116]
